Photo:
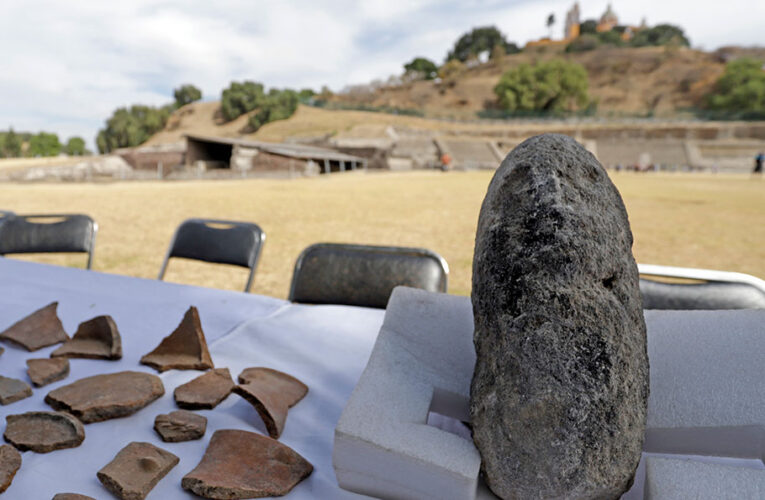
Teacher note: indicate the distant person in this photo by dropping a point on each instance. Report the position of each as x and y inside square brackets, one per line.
[758, 162]
[446, 161]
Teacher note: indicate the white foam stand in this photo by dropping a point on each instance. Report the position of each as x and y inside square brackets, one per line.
[707, 397]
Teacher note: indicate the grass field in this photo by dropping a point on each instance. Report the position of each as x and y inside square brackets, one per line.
[693, 220]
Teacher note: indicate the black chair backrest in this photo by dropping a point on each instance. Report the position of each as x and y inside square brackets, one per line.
[218, 241]
[48, 233]
[705, 295]
[363, 275]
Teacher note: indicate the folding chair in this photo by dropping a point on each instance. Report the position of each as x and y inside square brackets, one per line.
[711, 289]
[48, 233]
[363, 275]
[218, 241]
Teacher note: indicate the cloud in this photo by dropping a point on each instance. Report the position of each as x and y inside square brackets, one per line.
[67, 65]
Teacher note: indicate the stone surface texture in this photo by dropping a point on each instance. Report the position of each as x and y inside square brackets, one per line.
[47, 370]
[10, 461]
[12, 390]
[241, 464]
[560, 388]
[136, 469]
[180, 425]
[97, 338]
[43, 431]
[272, 393]
[40, 329]
[71, 496]
[184, 349]
[101, 397]
[206, 391]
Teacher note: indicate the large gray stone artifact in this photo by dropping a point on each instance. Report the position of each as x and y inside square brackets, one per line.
[97, 338]
[40, 329]
[184, 349]
[560, 388]
[241, 464]
[43, 431]
[136, 469]
[10, 461]
[101, 397]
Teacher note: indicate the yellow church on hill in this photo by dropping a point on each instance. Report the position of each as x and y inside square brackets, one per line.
[572, 27]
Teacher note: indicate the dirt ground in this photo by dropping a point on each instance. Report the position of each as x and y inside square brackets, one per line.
[693, 220]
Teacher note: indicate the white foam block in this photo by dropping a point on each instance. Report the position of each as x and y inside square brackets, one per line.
[673, 479]
[423, 360]
[707, 383]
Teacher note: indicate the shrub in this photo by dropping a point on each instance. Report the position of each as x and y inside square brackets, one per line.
[44, 144]
[128, 127]
[186, 94]
[75, 146]
[741, 88]
[583, 43]
[479, 40]
[241, 98]
[662, 34]
[548, 86]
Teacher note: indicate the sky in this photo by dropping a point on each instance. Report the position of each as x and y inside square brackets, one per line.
[66, 66]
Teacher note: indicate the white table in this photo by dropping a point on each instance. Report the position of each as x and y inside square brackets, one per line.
[327, 347]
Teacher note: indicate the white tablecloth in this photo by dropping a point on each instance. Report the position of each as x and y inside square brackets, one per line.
[326, 347]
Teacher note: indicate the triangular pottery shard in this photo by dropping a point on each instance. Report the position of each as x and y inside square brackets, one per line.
[184, 349]
[40, 329]
[97, 338]
[272, 393]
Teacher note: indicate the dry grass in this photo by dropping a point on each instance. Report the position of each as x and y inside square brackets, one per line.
[708, 221]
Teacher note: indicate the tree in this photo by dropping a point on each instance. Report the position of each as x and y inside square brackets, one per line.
[306, 95]
[550, 23]
[277, 105]
[741, 88]
[611, 37]
[479, 40]
[548, 86]
[241, 98]
[11, 145]
[44, 144]
[422, 66]
[662, 34]
[589, 26]
[583, 43]
[75, 146]
[186, 94]
[128, 127]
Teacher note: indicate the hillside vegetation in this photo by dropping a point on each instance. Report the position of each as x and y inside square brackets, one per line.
[622, 81]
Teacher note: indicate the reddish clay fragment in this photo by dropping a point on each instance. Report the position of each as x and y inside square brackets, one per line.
[272, 393]
[136, 469]
[206, 391]
[43, 431]
[12, 390]
[40, 329]
[97, 338]
[47, 370]
[184, 349]
[101, 397]
[241, 464]
[10, 461]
